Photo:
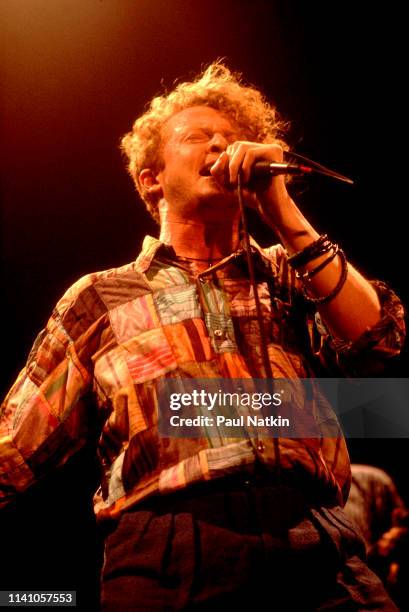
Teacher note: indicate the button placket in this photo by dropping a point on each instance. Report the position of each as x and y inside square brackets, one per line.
[260, 446]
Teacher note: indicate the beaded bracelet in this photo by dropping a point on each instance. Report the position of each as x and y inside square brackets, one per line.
[309, 274]
[319, 247]
[327, 298]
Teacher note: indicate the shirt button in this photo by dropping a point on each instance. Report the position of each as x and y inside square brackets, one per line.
[260, 446]
[218, 333]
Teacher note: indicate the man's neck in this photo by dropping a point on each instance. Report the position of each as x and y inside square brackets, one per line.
[197, 240]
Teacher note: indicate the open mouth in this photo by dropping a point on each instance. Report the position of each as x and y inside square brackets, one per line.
[205, 171]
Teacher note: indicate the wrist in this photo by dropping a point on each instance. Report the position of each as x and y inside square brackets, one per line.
[278, 212]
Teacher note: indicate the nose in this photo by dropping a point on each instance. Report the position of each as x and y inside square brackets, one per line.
[218, 143]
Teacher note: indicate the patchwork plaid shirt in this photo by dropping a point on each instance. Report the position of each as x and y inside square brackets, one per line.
[115, 334]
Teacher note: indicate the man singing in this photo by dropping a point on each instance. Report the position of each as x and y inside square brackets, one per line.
[207, 522]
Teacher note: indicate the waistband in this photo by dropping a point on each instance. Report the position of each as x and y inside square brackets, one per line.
[239, 485]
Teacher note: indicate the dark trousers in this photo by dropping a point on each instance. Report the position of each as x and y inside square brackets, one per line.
[237, 544]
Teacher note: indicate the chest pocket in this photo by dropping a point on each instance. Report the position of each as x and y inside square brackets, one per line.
[175, 304]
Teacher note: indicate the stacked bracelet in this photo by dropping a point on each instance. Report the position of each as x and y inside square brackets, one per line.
[319, 247]
[309, 274]
[344, 273]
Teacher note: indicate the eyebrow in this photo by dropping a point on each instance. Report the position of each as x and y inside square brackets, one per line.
[183, 130]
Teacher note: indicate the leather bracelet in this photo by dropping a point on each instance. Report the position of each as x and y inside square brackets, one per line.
[327, 298]
[319, 247]
[309, 274]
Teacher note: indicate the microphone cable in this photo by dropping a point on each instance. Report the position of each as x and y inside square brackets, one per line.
[268, 373]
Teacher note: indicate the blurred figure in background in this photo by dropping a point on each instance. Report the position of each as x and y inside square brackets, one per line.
[376, 507]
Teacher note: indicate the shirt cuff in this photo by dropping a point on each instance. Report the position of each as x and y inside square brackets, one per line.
[367, 355]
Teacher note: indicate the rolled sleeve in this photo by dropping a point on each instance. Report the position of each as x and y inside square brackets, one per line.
[369, 354]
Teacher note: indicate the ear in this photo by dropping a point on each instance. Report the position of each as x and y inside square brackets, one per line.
[150, 183]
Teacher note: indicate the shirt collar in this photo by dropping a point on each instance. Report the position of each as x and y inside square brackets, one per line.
[152, 247]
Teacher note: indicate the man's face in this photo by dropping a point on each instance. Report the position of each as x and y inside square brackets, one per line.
[193, 139]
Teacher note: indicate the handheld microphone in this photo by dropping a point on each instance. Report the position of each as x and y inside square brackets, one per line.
[264, 169]
[267, 169]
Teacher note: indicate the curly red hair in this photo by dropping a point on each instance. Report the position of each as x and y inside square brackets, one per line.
[218, 87]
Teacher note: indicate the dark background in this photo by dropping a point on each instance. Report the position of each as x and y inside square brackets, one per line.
[75, 74]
